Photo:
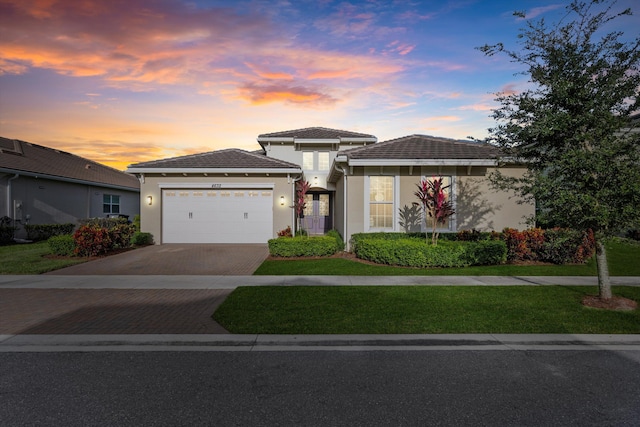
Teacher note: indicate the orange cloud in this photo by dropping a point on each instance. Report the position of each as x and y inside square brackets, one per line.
[258, 94]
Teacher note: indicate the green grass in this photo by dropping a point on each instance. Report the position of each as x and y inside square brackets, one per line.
[623, 259]
[30, 259]
[422, 310]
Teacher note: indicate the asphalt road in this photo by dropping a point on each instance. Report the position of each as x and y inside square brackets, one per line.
[321, 388]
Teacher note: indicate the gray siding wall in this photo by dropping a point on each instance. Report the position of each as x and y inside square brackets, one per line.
[44, 201]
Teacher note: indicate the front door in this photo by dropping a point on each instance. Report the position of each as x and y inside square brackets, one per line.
[317, 217]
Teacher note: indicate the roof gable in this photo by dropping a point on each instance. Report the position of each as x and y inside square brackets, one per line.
[232, 158]
[423, 147]
[24, 157]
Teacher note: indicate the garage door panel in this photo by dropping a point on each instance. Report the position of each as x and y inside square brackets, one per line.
[224, 216]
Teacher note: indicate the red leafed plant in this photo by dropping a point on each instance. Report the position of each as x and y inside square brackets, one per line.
[92, 241]
[435, 203]
[300, 202]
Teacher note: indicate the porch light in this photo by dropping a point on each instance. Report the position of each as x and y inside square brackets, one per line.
[281, 200]
[149, 200]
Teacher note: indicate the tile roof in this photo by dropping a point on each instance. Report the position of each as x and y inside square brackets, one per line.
[316, 133]
[423, 147]
[21, 156]
[232, 158]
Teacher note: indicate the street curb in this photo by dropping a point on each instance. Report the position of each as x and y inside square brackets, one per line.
[251, 342]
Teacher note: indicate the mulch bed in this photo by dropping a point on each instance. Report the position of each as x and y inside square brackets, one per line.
[614, 303]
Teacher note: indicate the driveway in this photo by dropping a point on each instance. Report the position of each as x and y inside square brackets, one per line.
[177, 259]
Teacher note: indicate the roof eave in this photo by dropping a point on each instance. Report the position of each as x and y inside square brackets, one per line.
[213, 170]
[422, 162]
[71, 180]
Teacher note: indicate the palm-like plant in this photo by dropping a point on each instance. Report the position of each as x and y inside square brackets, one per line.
[435, 203]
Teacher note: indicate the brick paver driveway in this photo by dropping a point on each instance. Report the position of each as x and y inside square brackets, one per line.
[110, 311]
[177, 259]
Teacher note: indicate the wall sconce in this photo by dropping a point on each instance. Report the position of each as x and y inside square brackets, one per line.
[149, 200]
[281, 200]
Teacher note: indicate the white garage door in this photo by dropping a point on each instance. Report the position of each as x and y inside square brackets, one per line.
[217, 216]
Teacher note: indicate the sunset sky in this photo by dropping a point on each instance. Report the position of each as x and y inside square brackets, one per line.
[125, 81]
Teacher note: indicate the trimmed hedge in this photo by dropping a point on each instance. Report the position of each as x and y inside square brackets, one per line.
[62, 245]
[303, 246]
[37, 232]
[418, 253]
[339, 241]
[141, 239]
[556, 245]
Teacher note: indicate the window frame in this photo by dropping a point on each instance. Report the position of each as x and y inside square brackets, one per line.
[395, 187]
[112, 201]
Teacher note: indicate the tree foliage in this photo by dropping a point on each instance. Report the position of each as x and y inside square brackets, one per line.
[572, 126]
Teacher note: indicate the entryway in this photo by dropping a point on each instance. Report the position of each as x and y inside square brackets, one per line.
[317, 213]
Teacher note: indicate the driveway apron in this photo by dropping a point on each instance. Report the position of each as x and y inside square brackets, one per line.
[177, 259]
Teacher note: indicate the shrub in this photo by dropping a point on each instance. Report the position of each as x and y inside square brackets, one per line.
[359, 237]
[103, 222]
[62, 245]
[563, 246]
[141, 239]
[6, 230]
[339, 242]
[383, 248]
[468, 235]
[286, 232]
[121, 234]
[136, 222]
[37, 232]
[303, 246]
[486, 252]
[92, 240]
[517, 248]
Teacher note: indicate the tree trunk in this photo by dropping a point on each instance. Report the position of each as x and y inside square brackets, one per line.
[604, 282]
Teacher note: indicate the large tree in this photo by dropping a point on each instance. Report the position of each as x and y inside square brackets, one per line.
[571, 127]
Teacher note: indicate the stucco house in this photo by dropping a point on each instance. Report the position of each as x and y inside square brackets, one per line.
[41, 185]
[357, 185]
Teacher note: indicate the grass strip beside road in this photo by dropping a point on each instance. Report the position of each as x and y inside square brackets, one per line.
[422, 310]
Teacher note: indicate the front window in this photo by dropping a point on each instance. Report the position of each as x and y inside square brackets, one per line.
[381, 202]
[323, 161]
[110, 204]
[307, 160]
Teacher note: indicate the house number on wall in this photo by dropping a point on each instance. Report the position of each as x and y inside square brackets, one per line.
[216, 185]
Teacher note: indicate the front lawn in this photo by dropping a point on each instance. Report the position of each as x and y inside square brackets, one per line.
[623, 259]
[30, 258]
[422, 310]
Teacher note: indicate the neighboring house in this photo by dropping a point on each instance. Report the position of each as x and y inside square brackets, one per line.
[357, 185]
[41, 185]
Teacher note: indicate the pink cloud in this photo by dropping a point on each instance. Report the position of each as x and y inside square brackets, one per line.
[139, 45]
[476, 107]
[264, 73]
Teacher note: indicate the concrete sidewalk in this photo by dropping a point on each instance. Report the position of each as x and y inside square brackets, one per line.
[231, 282]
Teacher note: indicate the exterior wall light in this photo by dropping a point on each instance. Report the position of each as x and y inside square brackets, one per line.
[281, 200]
[149, 200]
